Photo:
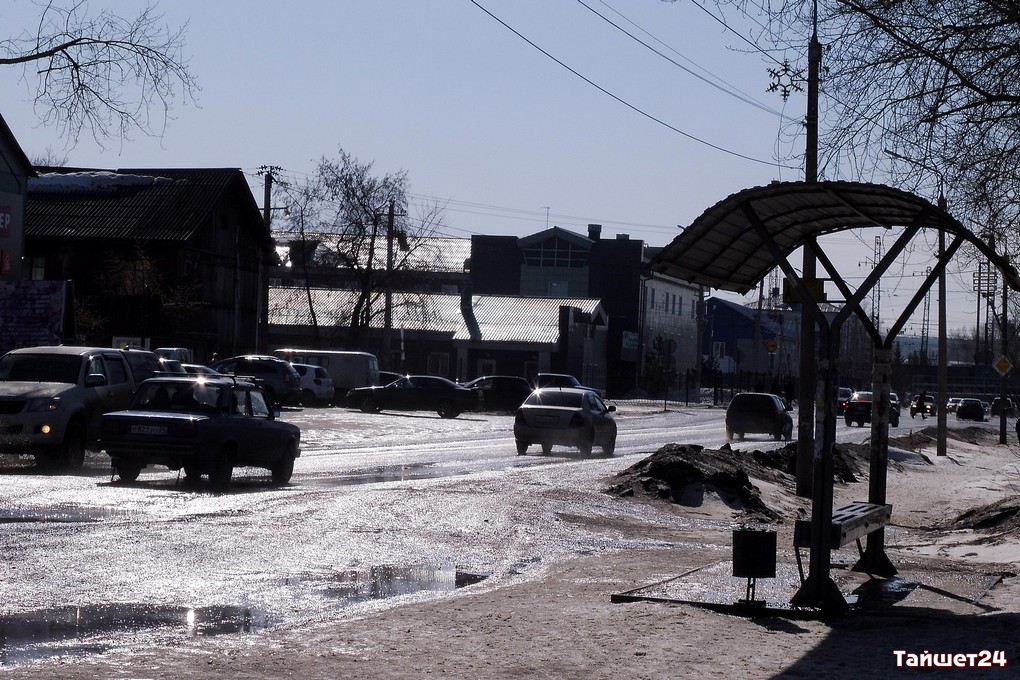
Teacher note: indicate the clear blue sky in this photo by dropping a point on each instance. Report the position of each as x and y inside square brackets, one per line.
[482, 121]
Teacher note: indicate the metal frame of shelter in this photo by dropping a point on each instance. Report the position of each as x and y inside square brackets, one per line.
[734, 244]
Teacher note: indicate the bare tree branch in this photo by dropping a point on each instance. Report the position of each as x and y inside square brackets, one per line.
[103, 74]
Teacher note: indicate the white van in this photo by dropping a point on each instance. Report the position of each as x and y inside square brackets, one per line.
[348, 369]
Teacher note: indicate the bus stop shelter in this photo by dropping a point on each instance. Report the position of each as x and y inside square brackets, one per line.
[734, 244]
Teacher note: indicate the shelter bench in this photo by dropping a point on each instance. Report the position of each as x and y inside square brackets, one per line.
[849, 523]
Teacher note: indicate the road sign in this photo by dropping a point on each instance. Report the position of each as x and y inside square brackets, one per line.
[771, 346]
[1002, 365]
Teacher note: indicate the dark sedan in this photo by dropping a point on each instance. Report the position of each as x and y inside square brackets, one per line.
[859, 409]
[203, 424]
[970, 409]
[501, 392]
[415, 393]
[568, 417]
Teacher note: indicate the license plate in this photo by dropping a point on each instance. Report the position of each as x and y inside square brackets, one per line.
[546, 419]
[148, 429]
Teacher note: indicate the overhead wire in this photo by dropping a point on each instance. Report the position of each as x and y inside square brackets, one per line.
[620, 99]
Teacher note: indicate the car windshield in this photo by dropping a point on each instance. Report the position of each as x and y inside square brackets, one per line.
[554, 398]
[41, 368]
[177, 396]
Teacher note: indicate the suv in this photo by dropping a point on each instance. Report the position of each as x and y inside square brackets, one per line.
[51, 399]
[277, 378]
[758, 412]
[316, 384]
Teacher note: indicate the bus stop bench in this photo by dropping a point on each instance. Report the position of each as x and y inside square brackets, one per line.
[849, 523]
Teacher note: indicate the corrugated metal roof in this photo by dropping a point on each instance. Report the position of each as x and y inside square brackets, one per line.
[722, 248]
[426, 253]
[143, 204]
[502, 319]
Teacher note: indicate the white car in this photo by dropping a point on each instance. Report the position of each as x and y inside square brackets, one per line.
[316, 384]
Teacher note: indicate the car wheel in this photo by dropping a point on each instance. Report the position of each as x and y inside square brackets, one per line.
[307, 398]
[369, 405]
[223, 469]
[284, 468]
[522, 447]
[447, 409]
[546, 448]
[586, 446]
[729, 434]
[128, 471]
[609, 447]
[192, 473]
[72, 451]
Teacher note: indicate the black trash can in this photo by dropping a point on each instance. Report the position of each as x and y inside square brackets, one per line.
[754, 553]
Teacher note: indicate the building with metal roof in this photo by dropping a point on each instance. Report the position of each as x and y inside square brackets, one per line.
[159, 257]
[459, 336]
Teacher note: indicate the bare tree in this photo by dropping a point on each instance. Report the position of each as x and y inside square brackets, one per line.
[356, 234]
[922, 92]
[103, 73]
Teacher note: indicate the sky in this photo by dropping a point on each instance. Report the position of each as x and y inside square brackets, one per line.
[513, 115]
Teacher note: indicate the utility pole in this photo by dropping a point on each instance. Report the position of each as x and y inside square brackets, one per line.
[388, 314]
[808, 388]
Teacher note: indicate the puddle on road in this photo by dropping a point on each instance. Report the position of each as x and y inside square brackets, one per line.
[59, 513]
[416, 471]
[79, 631]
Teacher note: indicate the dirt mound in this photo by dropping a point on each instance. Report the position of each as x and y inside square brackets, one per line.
[684, 473]
[1002, 516]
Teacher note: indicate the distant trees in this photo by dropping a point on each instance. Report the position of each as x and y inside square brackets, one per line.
[356, 231]
[100, 73]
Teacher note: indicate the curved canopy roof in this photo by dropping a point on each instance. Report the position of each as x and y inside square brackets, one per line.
[723, 248]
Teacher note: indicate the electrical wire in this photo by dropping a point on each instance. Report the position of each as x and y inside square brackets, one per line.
[620, 99]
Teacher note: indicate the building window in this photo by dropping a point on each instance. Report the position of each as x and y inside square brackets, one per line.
[558, 289]
[556, 252]
[680, 307]
[37, 268]
[651, 298]
[439, 364]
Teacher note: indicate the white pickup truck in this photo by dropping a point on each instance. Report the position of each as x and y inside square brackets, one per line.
[51, 400]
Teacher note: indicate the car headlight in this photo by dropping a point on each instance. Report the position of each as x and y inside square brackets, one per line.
[42, 404]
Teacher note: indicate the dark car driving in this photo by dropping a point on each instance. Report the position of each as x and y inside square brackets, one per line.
[860, 407]
[970, 409]
[203, 425]
[758, 413]
[415, 393]
[568, 417]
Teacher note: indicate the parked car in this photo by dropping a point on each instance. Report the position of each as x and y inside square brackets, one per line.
[203, 425]
[860, 407]
[970, 409]
[952, 404]
[565, 416]
[316, 384]
[929, 406]
[844, 396]
[501, 392]
[144, 364]
[347, 369]
[997, 407]
[543, 380]
[199, 369]
[278, 379]
[895, 405]
[386, 377]
[759, 413]
[415, 393]
[171, 366]
[51, 400]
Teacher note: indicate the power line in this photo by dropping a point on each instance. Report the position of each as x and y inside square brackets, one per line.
[626, 103]
[734, 92]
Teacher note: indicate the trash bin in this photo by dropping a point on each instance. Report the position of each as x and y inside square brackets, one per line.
[754, 553]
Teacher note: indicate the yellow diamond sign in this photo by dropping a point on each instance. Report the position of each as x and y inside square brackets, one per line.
[1002, 365]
